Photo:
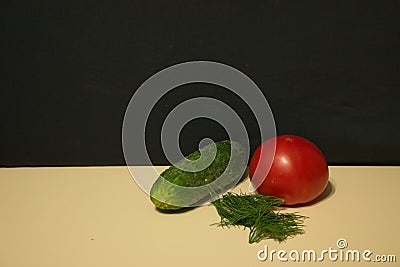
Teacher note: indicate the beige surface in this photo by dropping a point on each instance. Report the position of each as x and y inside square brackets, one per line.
[100, 217]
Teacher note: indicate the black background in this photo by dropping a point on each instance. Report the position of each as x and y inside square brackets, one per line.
[329, 69]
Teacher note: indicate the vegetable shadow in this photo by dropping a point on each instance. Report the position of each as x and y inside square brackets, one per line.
[182, 210]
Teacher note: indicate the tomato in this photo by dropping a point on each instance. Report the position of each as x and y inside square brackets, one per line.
[298, 172]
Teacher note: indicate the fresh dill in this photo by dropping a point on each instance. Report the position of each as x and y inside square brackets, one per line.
[261, 214]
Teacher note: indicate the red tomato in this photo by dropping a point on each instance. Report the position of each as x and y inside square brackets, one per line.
[298, 174]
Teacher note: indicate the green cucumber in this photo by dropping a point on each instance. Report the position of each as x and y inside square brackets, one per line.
[176, 188]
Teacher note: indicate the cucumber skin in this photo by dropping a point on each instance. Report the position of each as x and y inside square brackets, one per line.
[162, 190]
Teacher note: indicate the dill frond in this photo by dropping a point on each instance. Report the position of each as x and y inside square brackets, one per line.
[260, 214]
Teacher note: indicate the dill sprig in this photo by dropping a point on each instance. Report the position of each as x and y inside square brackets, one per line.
[261, 214]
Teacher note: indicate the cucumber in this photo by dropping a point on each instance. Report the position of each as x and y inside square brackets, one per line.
[177, 188]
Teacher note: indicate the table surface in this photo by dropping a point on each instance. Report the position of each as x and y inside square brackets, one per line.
[99, 216]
